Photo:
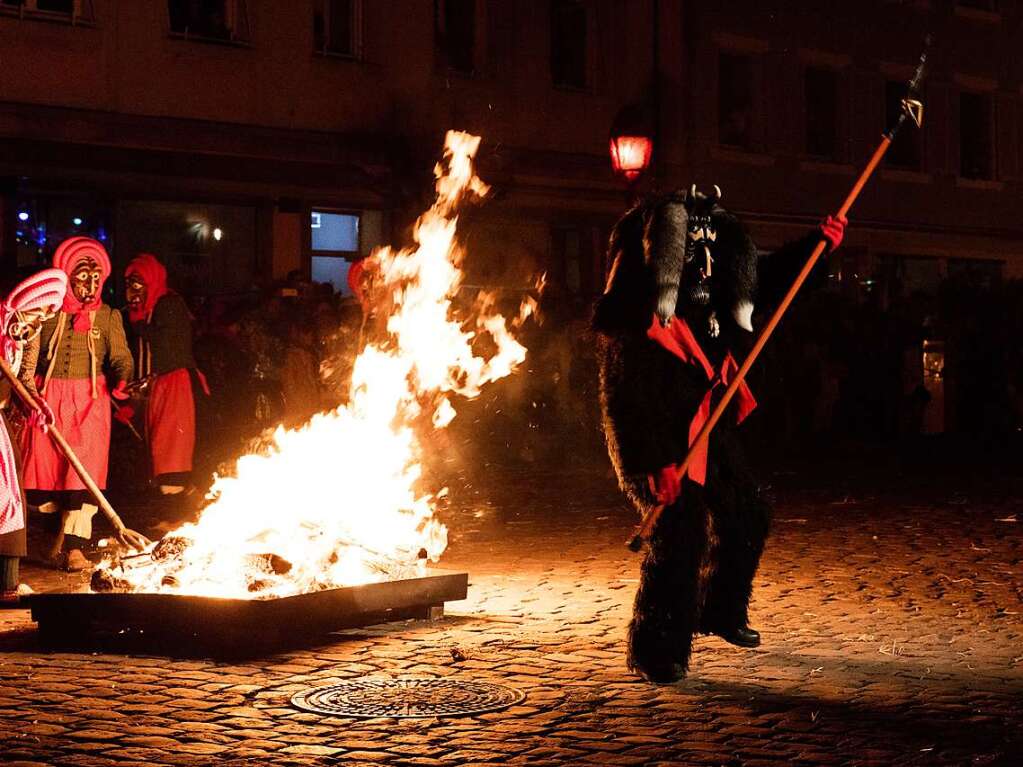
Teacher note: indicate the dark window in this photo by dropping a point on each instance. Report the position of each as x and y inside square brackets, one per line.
[209, 19]
[456, 33]
[334, 27]
[906, 151]
[50, 9]
[56, 6]
[568, 43]
[975, 155]
[821, 91]
[735, 100]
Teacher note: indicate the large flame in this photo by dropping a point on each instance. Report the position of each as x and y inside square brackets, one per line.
[336, 502]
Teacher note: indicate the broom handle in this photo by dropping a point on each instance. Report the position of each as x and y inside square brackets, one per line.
[65, 448]
[646, 526]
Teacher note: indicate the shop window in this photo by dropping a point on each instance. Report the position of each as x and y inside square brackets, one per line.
[735, 100]
[211, 20]
[568, 43]
[975, 133]
[334, 241]
[336, 27]
[73, 11]
[456, 34]
[906, 151]
[820, 89]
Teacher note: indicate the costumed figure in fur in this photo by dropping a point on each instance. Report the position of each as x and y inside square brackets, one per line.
[674, 323]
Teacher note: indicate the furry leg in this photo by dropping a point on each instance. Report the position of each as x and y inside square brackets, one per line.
[741, 538]
[667, 607]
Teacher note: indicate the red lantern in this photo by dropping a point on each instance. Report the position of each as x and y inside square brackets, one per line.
[630, 155]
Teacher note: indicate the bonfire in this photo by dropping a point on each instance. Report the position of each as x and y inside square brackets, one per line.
[339, 501]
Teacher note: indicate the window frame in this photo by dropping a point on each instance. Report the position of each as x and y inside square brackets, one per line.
[83, 13]
[356, 33]
[443, 62]
[837, 154]
[992, 131]
[589, 51]
[755, 141]
[239, 10]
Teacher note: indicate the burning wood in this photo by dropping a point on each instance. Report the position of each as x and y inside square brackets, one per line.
[339, 501]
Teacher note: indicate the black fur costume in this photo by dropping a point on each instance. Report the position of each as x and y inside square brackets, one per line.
[704, 552]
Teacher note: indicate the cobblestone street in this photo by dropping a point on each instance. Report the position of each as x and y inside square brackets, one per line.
[891, 626]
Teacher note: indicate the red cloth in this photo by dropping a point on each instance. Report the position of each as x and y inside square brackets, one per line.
[170, 422]
[154, 275]
[85, 424]
[678, 339]
[355, 272]
[68, 255]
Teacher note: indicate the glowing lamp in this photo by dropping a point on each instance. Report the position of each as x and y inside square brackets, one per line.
[632, 141]
[630, 155]
[77, 221]
[23, 215]
[218, 234]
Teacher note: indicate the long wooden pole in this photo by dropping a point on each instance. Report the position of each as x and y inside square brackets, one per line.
[124, 534]
[646, 526]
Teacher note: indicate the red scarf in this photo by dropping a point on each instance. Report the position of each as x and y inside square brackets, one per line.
[679, 340]
[68, 255]
[154, 276]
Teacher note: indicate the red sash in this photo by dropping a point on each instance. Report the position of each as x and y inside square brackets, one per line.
[679, 340]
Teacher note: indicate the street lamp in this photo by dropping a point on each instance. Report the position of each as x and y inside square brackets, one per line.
[631, 143]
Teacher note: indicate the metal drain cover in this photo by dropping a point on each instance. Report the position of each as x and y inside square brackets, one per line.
[407, 698]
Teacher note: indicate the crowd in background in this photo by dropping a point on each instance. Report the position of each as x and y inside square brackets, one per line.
[838, 370]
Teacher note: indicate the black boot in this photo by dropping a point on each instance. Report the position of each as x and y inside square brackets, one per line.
[741, 636]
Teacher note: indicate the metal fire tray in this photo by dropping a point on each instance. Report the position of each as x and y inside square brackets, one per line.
[201, 622]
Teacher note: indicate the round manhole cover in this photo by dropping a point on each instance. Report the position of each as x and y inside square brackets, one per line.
[407, 698]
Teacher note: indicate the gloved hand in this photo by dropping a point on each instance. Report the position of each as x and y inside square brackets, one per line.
[124, 414]
[120, 392]
[41, 416]
[666, 485]
[832, 229]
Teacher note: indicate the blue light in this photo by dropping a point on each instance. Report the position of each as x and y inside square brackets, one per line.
[23, 215]
[77, 221]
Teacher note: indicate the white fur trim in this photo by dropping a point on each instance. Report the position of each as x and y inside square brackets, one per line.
[743, 314]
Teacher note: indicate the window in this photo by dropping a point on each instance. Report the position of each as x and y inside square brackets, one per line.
[735, 100]
[820, 89]
[336, 27]
[51, 10]
[456, 34]
[568, 43]
[334, 241]
[215, 20]
[975, 145]
[906, 152]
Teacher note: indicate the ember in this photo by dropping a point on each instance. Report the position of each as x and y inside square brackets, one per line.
[338, 501]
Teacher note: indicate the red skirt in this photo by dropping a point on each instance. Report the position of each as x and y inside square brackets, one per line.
[170, 422]
[85, 424]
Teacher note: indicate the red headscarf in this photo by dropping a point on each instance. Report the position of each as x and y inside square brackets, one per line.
[148, 269]
[68, 255]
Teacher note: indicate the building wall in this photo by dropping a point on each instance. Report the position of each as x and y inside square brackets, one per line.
[124, 108]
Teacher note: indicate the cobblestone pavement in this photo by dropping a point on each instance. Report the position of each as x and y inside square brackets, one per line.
[891, 625]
